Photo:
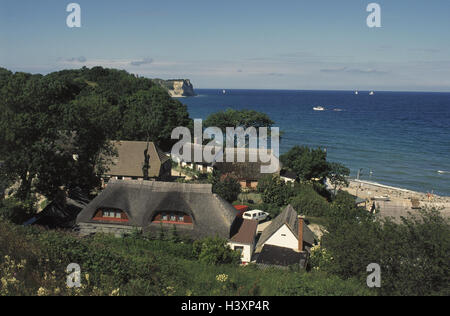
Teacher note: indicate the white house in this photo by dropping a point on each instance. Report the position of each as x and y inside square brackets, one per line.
[285, 241]
[244, 239]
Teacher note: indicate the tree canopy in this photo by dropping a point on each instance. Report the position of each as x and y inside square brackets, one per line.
[56, 128]
[307, 163]
[238, 118]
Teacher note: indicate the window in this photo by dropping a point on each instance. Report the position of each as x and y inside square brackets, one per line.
[172, 218]
[107, 214]
[240, 249]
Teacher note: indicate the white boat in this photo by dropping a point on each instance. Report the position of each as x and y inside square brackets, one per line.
[318, 108]
[371, 93]
[224, 92]
[443, 172]
[356, 92]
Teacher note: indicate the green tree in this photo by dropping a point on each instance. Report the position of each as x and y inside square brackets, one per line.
[337, 175]
[236, 118]
[151, 115]
[308, 202]
[308, 164]
[275, 191]
[29, 122]
[227, 187]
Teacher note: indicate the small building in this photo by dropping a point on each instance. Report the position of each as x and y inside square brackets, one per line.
[248, 172]
[243, 239]
[131, 159]
[62, 212]
[288, 176]
[154, 206]
[287, 240]
[202, 166]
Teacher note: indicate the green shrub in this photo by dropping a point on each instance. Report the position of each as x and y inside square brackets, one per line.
[308, 202]
[215, 250]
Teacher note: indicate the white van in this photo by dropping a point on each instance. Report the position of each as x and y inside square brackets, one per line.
[256, 215]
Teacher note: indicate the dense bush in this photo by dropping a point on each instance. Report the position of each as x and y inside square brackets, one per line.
[227, 187]
[308, 202]
[414, 255]
[16, 211]
[215, 250]
[274, 191]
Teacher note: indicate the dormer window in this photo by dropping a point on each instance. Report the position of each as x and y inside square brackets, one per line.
[172, 218]
[110, 215]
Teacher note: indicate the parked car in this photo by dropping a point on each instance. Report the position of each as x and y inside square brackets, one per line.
[241, 209]
[256, 215]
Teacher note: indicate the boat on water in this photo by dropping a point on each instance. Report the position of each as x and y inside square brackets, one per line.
[318, 108]
[224, 92]
[356, 92]
[443, 172]
[371, 93]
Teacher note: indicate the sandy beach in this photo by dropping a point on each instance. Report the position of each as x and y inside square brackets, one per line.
[399, 201]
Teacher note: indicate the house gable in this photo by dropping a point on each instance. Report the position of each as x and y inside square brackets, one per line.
[283, 237]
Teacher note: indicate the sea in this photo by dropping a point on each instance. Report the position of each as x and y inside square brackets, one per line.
[401, 139]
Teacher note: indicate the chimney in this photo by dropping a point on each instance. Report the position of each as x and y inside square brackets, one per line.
[301, 222]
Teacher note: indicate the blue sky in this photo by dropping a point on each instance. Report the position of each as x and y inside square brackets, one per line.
[285, 44]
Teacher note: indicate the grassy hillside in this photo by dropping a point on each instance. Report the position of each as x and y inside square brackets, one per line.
[33, 262]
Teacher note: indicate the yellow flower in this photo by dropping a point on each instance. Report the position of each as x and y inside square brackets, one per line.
[222, 278]
[115, 292]
[42, 292]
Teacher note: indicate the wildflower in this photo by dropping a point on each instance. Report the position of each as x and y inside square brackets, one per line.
[222, 278]
[42, 292]
[4, 282]
[115, 292]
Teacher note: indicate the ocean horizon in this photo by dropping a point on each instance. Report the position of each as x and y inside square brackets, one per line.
[401, 139]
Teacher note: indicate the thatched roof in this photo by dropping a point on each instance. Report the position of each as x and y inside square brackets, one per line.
[142, 200]
[131, 159]
[250, 169]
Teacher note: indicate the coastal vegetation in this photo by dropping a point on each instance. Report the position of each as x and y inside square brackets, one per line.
[33, 261]
[238, 118]
[55, 128]
[55, 132]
